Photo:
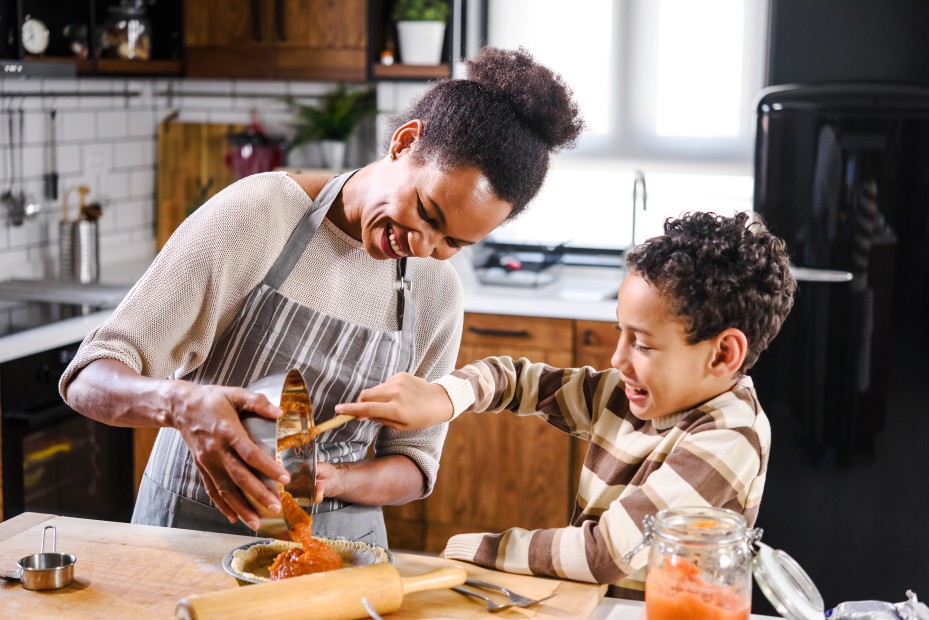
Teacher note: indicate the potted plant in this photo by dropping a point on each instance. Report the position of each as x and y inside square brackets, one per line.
[420, 30]
[332, 120]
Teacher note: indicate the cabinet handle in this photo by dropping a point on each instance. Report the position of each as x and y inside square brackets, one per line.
[256, 20]
[506, 333]
[588, 338]
[279, 20]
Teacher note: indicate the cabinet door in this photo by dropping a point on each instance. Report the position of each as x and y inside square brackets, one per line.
[594, 344]
[320, 39]
[228, 38]
[502, 471]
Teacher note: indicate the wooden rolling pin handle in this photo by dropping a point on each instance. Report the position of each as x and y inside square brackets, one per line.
[330, 424]
[435, 580]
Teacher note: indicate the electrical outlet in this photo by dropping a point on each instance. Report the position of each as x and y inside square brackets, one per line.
[97, 158]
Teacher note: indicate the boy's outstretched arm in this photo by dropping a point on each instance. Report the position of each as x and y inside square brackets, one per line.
[404, 402]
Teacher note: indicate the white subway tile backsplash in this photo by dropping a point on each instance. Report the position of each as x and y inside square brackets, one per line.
[116, 185]
[112, 124]
[76, 125]
[134, 154]
[108, 141]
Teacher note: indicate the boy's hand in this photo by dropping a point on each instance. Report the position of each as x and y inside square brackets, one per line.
[403, 402]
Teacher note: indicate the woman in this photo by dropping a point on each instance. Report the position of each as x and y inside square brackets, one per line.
[331, 276]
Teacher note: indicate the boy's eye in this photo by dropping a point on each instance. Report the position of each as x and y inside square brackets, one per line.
[643, 348]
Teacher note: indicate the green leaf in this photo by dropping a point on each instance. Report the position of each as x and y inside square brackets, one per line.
[420, 10]
[334, 117]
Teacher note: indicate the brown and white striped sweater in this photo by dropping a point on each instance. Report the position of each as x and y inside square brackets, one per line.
[715, 455]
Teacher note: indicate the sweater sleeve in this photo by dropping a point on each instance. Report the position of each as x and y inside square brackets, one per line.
[713, 467]
[566, 398]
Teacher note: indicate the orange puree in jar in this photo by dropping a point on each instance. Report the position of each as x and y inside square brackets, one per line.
[677, 592]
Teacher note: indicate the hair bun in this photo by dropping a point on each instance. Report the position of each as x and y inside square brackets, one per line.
[540, 97]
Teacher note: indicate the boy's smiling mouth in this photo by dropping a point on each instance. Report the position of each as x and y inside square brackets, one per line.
[635, 394]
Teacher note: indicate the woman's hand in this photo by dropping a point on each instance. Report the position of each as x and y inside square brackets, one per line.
[207, 416]
[403, 402]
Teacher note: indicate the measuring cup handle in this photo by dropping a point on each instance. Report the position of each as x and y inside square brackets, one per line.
[54, 538]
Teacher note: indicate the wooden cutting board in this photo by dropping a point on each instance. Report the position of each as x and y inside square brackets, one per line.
[191, 168]
[138, 571]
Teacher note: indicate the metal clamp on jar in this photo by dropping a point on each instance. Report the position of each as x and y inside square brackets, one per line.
[701, 562]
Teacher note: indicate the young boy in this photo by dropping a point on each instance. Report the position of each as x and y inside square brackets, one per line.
[675, 422]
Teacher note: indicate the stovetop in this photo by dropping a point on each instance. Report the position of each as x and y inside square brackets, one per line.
[27, 304]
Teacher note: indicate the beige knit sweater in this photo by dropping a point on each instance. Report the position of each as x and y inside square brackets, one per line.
[165, 326]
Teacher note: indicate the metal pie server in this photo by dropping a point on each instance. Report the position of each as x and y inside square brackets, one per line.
[290, 441]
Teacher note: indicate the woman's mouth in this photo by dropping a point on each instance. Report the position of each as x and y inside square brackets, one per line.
[392, 245]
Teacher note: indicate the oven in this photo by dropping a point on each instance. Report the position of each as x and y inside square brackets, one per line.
[53, 459]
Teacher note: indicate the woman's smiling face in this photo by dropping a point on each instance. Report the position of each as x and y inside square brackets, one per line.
[406, 207]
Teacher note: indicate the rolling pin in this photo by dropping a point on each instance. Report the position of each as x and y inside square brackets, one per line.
[333, 595]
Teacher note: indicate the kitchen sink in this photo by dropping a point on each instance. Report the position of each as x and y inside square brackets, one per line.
[63, 291]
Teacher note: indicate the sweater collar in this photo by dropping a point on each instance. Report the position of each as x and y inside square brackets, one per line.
[671, 420]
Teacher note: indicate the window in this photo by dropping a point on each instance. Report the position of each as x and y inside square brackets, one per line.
[666, 87]
[669, 80]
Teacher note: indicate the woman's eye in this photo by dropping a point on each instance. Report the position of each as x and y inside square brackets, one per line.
[423, 214]
[452, 243]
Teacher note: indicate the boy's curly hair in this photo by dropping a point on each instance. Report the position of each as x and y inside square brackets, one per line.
[718, 272]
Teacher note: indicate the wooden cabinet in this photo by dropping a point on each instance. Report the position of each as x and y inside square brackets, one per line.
[279, 39]
[502, 471]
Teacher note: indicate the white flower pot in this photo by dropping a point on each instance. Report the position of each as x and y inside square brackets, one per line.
[333, 153]
[420, 42]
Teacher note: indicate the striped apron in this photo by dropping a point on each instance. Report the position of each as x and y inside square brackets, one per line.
[272, 333]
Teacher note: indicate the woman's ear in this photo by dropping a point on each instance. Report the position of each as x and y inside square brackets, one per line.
[731, 349]
[404, 137]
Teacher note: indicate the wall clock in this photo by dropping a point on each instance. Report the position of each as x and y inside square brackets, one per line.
[34, 35]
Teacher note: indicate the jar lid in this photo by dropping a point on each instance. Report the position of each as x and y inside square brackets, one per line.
[786, 585]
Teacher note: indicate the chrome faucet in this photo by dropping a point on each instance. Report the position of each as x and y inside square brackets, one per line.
[639, 179]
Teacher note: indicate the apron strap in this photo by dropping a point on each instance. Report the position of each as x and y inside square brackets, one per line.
[405, 309]
[304, 231]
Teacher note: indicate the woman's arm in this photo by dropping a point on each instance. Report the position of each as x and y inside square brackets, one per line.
[207, 416]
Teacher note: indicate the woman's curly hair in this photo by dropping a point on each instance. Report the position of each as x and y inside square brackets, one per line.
[504, 120]
[719, 272]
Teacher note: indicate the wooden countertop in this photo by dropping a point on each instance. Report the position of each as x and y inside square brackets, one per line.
[138, 571]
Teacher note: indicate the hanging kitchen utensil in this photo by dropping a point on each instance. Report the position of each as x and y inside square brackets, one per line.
[7, 198]
[51, 177]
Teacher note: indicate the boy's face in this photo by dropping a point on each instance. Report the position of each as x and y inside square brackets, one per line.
[662, 372]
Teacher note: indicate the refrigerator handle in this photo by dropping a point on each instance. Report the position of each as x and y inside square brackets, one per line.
[827, 276]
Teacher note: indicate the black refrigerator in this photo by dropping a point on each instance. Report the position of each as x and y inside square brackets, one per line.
[842, 174]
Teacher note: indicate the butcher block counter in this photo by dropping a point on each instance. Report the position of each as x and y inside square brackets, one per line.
[138, 571]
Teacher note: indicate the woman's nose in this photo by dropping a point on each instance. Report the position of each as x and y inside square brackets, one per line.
[429, 244]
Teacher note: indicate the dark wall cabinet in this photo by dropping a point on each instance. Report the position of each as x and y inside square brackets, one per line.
[77, 33]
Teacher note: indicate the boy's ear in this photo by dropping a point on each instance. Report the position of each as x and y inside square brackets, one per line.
[731, 349]
[405, 136]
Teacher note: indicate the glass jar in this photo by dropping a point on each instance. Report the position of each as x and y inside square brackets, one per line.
[699, 564]
[128, 31]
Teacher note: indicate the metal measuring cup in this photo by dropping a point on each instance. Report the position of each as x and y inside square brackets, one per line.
[45, 571]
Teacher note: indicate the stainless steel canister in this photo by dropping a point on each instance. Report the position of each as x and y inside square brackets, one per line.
[65, 250]
[86, 251]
